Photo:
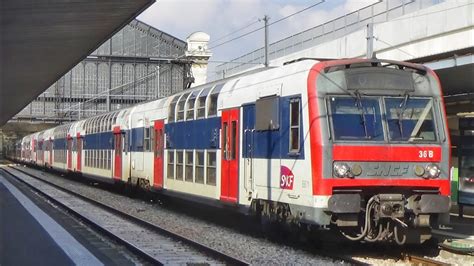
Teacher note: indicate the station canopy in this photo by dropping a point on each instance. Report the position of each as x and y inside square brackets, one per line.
[40, 40]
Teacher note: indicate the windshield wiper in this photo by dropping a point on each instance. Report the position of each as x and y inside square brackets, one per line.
[419, 123]
[360, 106]
[401, 110]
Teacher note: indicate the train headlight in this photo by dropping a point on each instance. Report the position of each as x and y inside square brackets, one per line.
[433, 170]
[419, 170]
[342, 170]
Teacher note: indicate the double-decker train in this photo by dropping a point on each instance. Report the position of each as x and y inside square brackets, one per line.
[359, 145]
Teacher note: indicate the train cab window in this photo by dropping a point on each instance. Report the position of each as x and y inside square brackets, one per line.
[172, 109]
[211, 168]
[356, 119]
[190, 105]
[294, 125]
[170, 168]
[179, 165]
[189, 166]
[181, 107]
[267, 113]
[410, 119]
[201, 103]
[199, 169]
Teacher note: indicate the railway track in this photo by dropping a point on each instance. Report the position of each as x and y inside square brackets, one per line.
[349, 257]
[148, 241]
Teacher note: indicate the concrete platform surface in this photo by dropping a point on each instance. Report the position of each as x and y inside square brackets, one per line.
[31, 236]
[459, 228]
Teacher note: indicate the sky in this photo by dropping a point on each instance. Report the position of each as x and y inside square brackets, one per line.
[224, 19]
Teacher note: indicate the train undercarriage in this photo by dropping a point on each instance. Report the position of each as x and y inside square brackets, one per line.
[403, 218]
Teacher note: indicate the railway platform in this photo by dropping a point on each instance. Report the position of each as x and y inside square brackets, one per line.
[459, 234]
[32, 232]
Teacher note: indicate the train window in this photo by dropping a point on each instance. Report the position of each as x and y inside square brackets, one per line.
[146, 139]
[199, 170]
[211, 168]
[201, 103]
[267, 112]
[181, 107]
[212, 108]
[233, 147]
[295, 125]
[126, 145]
[212, 111]
[356, 119]
[172, 109]
[189, 166]
[170, 168]
[410, 119]
[225, 140]
[191, 105]
[179, 165]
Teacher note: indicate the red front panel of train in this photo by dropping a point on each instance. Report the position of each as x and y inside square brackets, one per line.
[399, 155]
[230, 155]
[158, 146]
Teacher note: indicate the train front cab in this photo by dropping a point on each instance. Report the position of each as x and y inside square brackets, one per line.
[382, 157]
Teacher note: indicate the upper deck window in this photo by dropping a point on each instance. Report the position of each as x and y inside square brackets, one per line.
[181, 105]
[356, 119]
[190, 105]
[212, 107]
[201, 103]
[410, 119]
[172, 108]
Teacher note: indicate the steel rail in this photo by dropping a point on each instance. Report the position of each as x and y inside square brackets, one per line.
[417, 260]
[200, 247]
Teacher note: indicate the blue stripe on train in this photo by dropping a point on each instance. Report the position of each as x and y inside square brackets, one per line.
[99, 141]
[194, 134]
[272, 144]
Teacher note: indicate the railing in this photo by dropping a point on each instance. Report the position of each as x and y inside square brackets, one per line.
[379, 12]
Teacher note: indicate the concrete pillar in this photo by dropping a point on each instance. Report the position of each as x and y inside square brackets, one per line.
[199, 53]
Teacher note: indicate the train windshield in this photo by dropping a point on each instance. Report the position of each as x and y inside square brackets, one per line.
[356, 119]
[410, 119]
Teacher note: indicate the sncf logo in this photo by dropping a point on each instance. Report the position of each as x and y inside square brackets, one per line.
[387, 170]
[286, 178]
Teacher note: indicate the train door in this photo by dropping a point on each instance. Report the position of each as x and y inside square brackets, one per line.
[79, 153]
[50, 146]
[69, 152]
[118, 153]
[230, 155]
[158, 146]
[35, 152]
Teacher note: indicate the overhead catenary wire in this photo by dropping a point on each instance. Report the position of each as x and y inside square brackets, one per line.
[269, 24]
[255, 21]
[394, 46]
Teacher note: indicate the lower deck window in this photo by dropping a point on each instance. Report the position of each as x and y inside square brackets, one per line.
[189, 166]
[170, 169]
[211, 168]
[199, 171]
[179, 165]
